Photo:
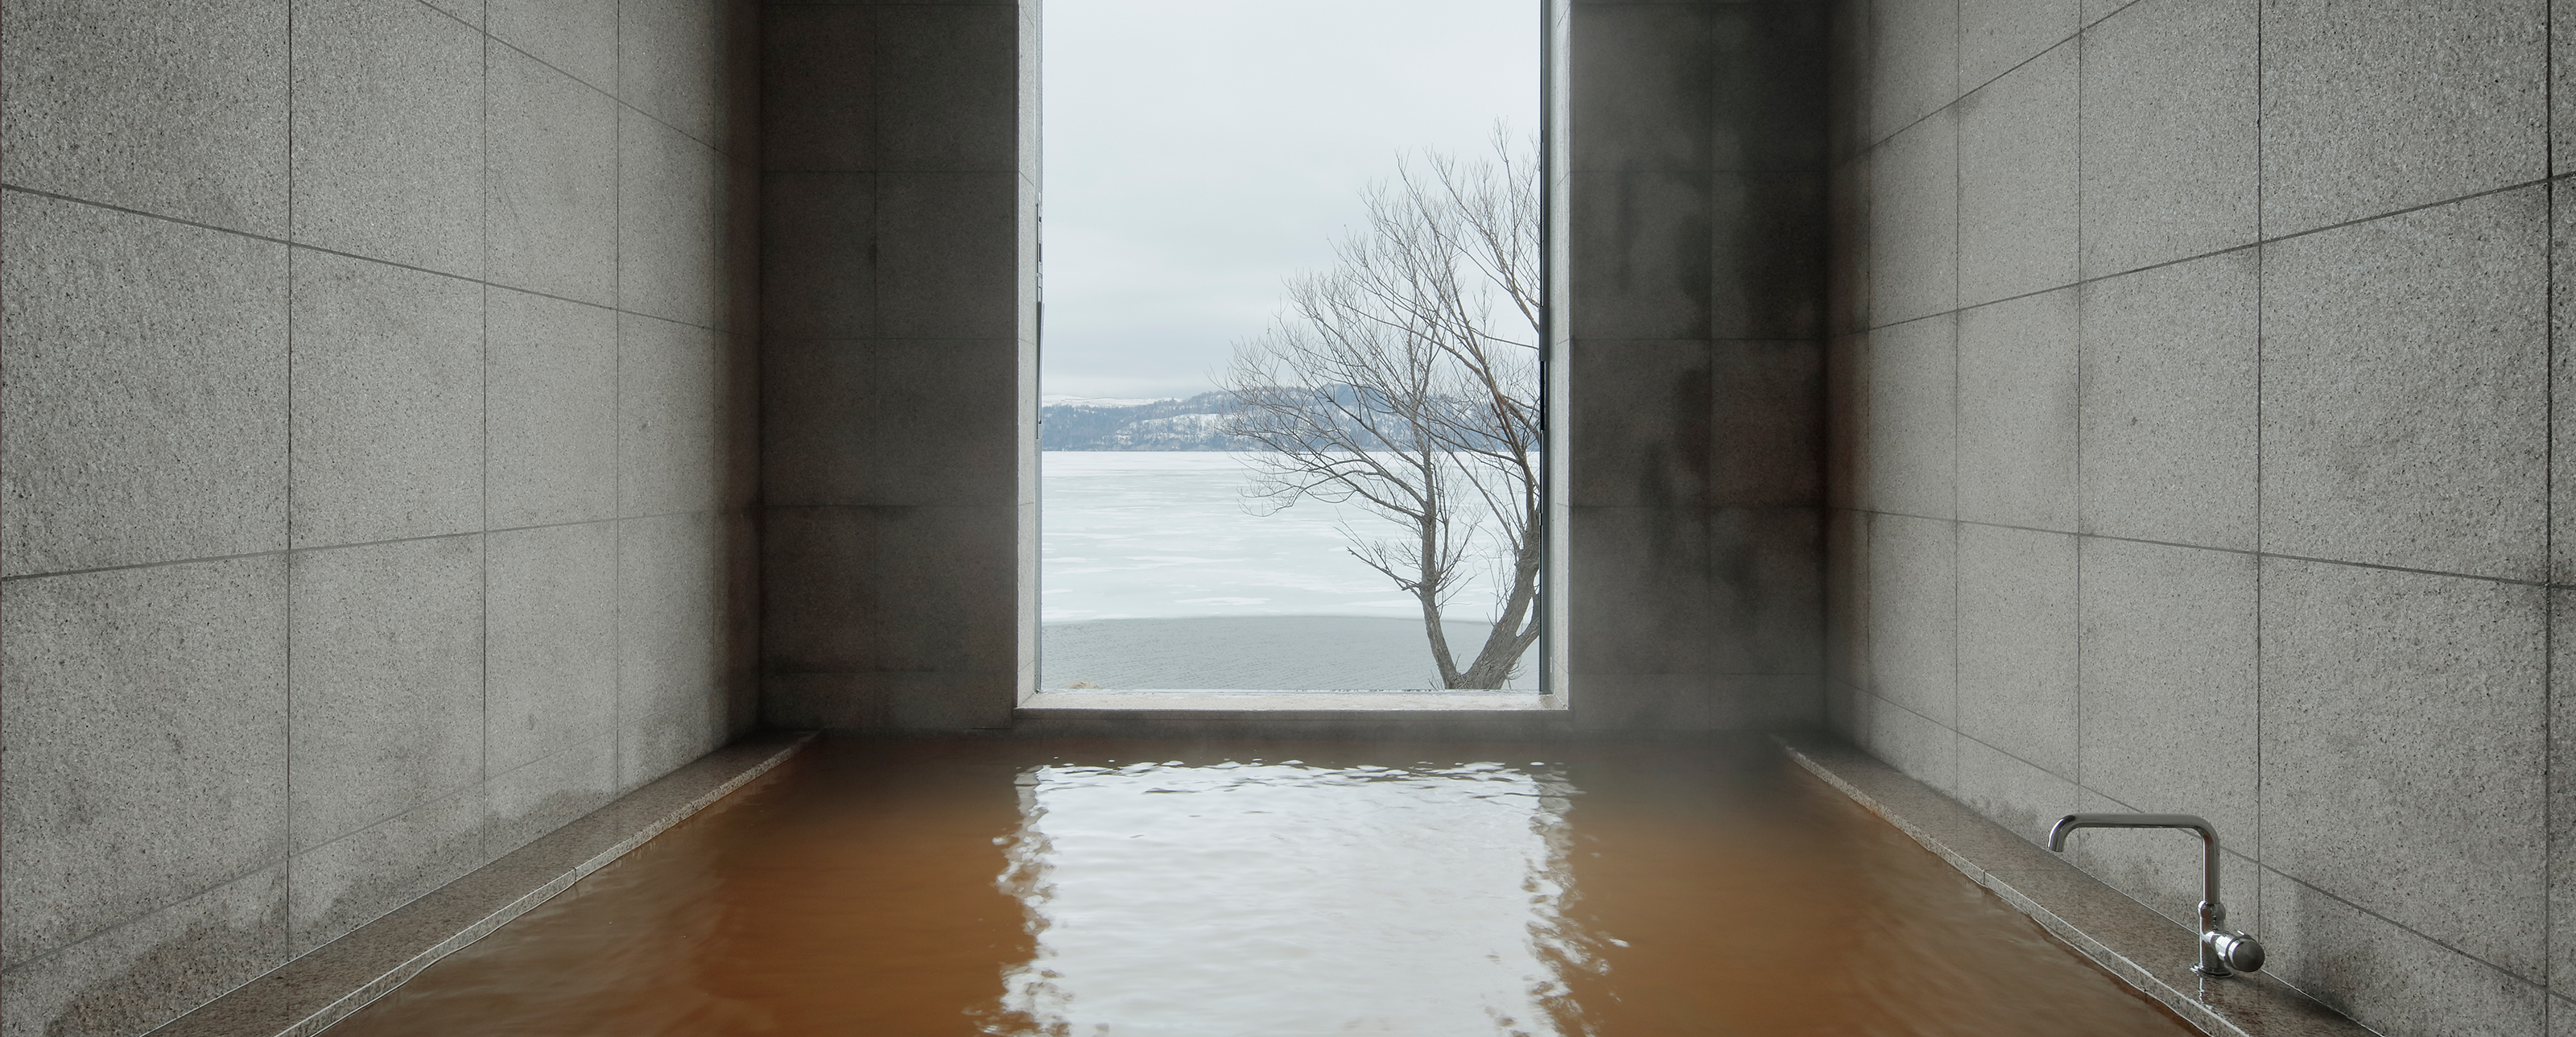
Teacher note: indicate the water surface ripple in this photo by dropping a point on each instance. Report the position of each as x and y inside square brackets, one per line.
[1023, 887]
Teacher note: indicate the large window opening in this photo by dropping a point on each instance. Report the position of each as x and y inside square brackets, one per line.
[1295, 284]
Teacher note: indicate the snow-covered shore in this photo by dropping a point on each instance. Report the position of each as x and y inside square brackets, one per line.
[1271, 653]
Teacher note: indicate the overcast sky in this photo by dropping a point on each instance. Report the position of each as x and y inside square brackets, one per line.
[1200, 151]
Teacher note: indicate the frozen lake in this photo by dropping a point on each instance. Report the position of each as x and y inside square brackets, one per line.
[1155, 576]
[1164, 535]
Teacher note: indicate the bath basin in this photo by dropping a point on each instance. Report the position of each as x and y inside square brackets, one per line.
[1148, 888]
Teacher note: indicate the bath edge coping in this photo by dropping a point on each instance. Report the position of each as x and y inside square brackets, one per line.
[2110, 927]
[314, 990]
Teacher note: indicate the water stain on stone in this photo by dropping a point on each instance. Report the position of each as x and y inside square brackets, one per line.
[222, 939]
[360, 877]
[505, 832]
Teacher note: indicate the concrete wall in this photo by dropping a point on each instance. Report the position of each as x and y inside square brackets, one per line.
[374, 460]
[900, 361]
[1696, 275]
[899, 223]
[899, 238]
[2192, 451]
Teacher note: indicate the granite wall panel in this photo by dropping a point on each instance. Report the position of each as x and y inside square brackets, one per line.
[900, 294]
[2252, 461]
[332, 501]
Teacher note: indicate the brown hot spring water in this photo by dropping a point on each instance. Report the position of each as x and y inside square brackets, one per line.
[1176, 889]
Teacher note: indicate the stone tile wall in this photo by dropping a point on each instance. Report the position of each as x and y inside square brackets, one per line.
[898, 243]
[375, 460]
[2191, 450]
[1696, 395]
[899, 354]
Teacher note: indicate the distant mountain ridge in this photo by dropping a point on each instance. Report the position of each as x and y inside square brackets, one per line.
[1196, 423]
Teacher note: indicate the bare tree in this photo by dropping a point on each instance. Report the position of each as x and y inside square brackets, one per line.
[1405, 380]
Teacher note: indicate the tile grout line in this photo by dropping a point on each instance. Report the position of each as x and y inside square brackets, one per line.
[483, 204]
[2252, 860]
[1958, 260]
[2548, 581]
[1707, 339]
[17, 966]
[617, 418]
[1856, 643]
[305, 1013]
[2549, 831]
[304, 246]
[2357, 908]
[873, 354]
[2257, 683]
[2445, 945]
[289, 550]
[2357, 221]
[286, 865]
[280, 552]
[217, 885]
[485, 31]
[2083, 36]
[1813, 759]
[2258, 242]
[2316, 559]
[1958, 83]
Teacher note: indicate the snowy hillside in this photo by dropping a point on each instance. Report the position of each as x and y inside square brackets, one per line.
[1192, 424]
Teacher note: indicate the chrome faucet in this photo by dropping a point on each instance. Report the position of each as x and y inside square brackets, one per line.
[2222, 953]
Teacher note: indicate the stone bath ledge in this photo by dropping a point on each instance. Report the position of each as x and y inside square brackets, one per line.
[312, 992]
[2144, 949]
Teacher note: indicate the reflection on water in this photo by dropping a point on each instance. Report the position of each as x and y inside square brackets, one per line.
[920, 888]
[1175, 900]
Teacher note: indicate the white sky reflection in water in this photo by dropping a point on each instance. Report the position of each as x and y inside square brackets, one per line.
[1164, 534]
[1375, 900]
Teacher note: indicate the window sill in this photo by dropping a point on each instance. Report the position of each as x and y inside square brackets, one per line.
[1185, 702]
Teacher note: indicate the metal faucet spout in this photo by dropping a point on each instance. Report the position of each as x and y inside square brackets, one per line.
[2208, 838]
[2221, 952]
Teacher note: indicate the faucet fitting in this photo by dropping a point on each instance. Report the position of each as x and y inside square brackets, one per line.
[2222, 953]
